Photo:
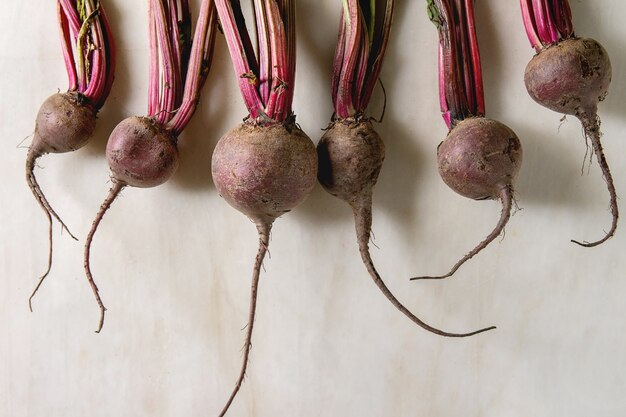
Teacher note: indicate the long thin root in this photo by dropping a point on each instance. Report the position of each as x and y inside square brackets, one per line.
[31, 180]
[38, 193]
[264, 238]
[363, 222]
[45, 274]
[113, 193]
[506, 197]
[591, 125]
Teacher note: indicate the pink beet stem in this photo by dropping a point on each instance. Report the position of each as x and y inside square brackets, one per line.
[547, 21]
[66, 45]
[88, 49]
[463, 43]
[173, 26]
[69, 9]
[540, 18]
[380, 39]
[109, 42]
[361, 68]
[96, 83]
[338, 58]
[168, 80]
[345, 105]
[240, 58]
[199, 66]
[359, 54]
[263, 48]
[460, 76]
[277, 107]
[109, 53]
[153, 78]
[563, 17]
[479, 94]
[288, 8]
[443, 101]
[529, 24]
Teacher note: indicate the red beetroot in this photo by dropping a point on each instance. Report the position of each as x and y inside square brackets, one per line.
[480, 157]
[351, 152]
[66, 121]
[266, 166]
[264, 171]
[569, 75]
[141, 151]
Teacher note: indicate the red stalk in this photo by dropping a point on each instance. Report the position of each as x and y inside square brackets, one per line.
[338, 59]
[240, 58]
[547, 21]
[200, 60]
[345, 105]
[263, 48]
[266, 82]
[461, 90]
[88, 50]
[377, 54]
[275, 107]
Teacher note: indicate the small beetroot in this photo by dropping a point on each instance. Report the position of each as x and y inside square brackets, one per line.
[569, 75]
[141, 151]
[480, 157]
[66, 121]
[351, 152]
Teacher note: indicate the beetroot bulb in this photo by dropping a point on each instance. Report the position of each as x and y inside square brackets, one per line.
[66, 121]
[569, 75]
[141, 151]
[351, 152]
[266, 166]
[480, 158]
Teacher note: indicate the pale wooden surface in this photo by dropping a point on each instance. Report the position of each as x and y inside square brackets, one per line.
[173, 263]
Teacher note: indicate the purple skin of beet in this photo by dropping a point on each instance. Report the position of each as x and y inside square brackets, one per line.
[572, 77]
[480, 159]
[140, 154]
[264, 171]
[64, 123]
[351, 155]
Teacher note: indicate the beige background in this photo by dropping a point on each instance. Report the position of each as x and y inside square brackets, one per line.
[174, 262]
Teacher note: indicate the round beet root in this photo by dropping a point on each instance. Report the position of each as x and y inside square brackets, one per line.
[479, 158]
[141, 154]
[570, 77]
[351, 155]
[264, 171]
[64, 123]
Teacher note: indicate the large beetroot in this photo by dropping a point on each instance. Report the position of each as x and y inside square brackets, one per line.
[266, 166]
[142, 151]
[569, 75]
[66, 121]
[480, 157]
